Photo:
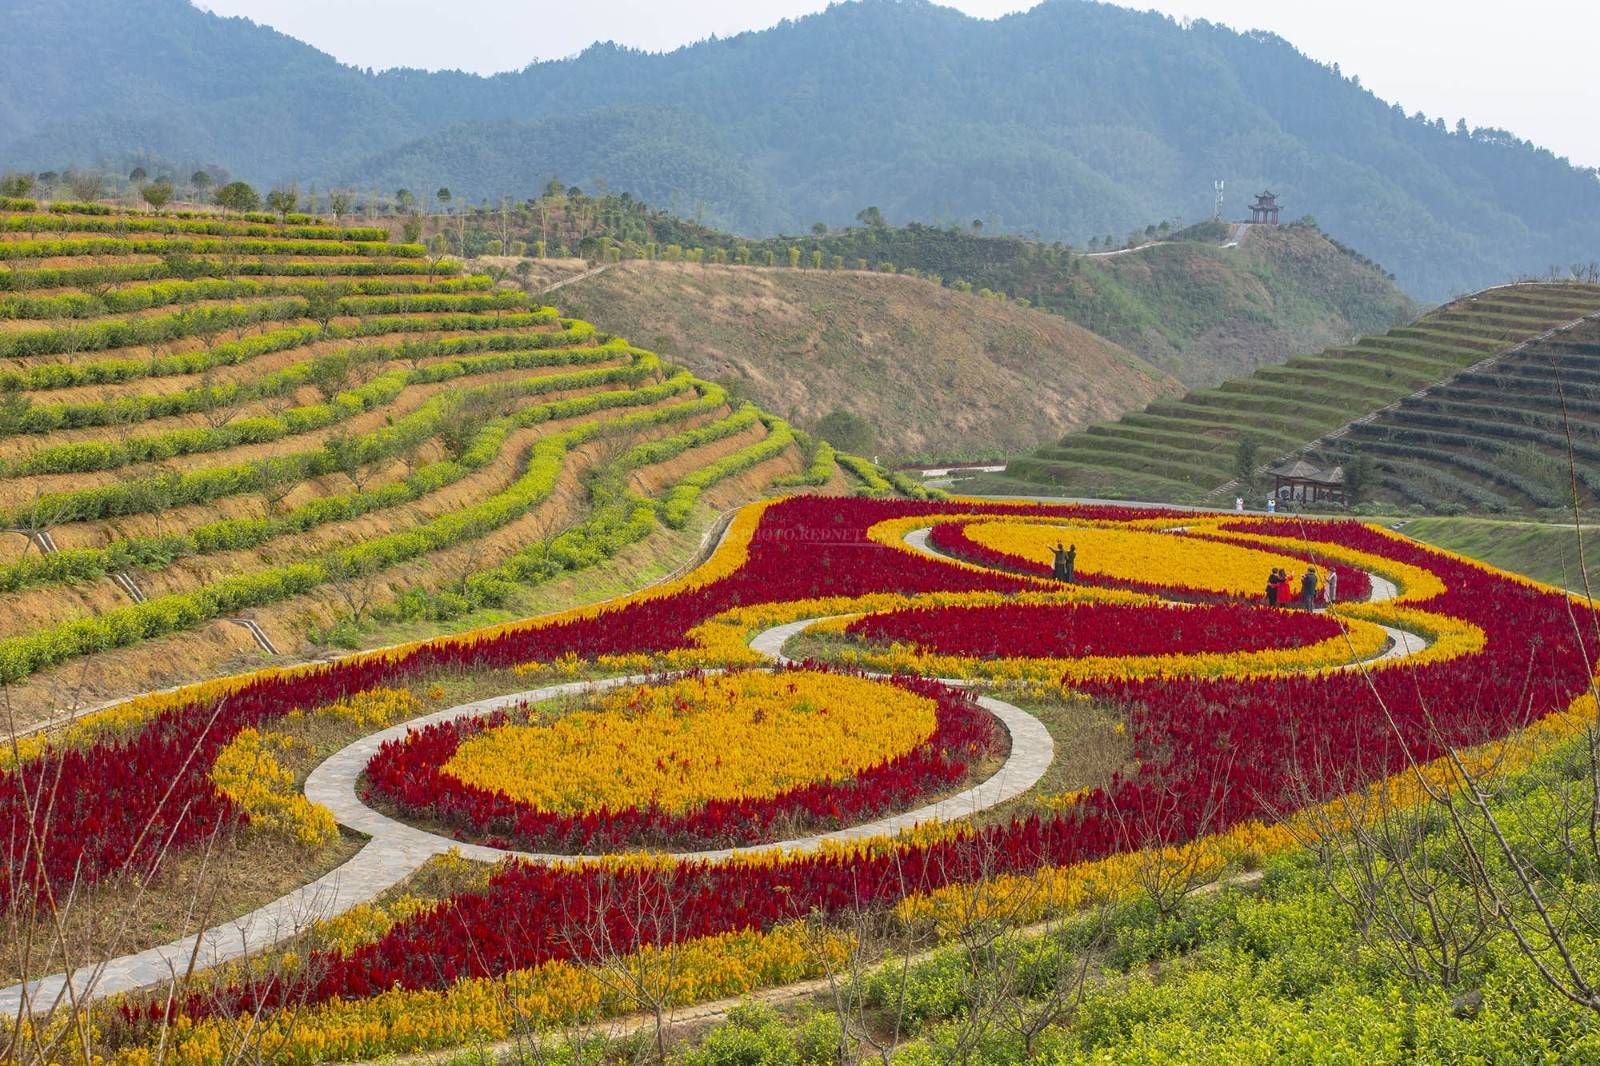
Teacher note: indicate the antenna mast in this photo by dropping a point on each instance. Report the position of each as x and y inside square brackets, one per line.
[1217, 185]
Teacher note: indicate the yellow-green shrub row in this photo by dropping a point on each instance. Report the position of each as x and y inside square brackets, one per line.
[659, 451]
[866, 471]
[122, 626]
[159, 329]
[173, 224]
[108, 454]
[17, 203]
[168, 293]
[232, 353]
[906, 485]
[617, 518]
[31, 249]
[129, 410]
[182, 266]
[679, 501]
[77, 207]
[156, 552]
[818, 472]
[207, 484]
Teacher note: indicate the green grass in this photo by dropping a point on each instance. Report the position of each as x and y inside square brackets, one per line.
[1278, 968]
[1544, 551]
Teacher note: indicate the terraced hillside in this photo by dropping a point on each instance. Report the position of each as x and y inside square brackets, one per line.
[1496, 437]
[1181, 449]
[221, 438]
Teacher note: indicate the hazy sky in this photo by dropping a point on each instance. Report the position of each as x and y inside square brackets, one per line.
[1527, 67]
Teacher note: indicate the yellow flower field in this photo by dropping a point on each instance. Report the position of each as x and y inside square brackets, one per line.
[1151, 556]
[695, 740]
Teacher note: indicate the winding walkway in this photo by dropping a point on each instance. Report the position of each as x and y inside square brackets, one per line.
[395, 850]
[1402, 642]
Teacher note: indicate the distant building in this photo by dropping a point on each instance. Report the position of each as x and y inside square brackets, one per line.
[1265, 210]
[1305, 483]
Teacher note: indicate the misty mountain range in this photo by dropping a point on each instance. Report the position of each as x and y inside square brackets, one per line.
[1070, 121]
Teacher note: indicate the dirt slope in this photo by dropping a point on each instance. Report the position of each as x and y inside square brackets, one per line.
[934, 371]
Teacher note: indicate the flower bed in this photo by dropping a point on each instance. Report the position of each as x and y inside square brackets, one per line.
[1222, 753]
[1345, 640]
[1173, 562]
[1109, 629]
[694, 763]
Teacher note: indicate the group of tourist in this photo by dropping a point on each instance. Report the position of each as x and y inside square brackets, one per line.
[1065, 566]
[1280, 588]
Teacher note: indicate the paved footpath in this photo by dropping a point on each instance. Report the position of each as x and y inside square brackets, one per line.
[1402, 643]
[395, 850]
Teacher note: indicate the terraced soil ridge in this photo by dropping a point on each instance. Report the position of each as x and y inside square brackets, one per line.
[1333, 404]
[225, 439]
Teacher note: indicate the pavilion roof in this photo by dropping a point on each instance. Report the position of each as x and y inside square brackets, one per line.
[1301, 470]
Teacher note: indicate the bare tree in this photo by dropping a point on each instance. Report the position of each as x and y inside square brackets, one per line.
[43, 512]
[355, 583]
[325, 301]
[221, 403]
[438, 249]
[1454, 862]
[50, 916]
[503, 219]
[855, 978]
[1163, 830]
[632, 936]
[271, 483]
[86, 185]
[1381, 856]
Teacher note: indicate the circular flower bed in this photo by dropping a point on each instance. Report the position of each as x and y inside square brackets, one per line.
[692, 763]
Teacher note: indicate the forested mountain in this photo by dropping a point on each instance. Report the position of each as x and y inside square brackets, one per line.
[1071, 120]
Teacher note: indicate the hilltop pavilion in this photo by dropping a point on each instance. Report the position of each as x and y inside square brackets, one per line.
[1265, 210]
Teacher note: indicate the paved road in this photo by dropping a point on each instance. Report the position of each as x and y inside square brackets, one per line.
[564, 282]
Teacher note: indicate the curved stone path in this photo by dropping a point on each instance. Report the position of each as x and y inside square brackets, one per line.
[1402, 642]
[395, 850]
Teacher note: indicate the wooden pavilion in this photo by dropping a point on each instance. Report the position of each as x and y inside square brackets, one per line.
[1265, 210]
[1305, 483]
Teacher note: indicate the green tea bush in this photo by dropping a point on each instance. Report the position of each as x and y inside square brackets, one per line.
[48, 249]
[231, 353]
[167, 293]
[55, 277]
[204, 485]
[680, 499]
[103, 222]
[91, 336]
[155, 552]
[866, 472]
[818, 472]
